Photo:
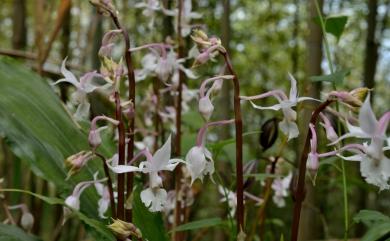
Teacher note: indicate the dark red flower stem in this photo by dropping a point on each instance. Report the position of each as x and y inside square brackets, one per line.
[131, 123]
[299, 189]
[121, 156]
[239, 165]
[109, 184]
[178, 174]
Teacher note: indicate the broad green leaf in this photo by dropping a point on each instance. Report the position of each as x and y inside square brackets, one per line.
[335, 25]
[369, 217]
[337, 77]
[151, 224]
[97, 227]
[40, 131]
[377, 232]
[204, 223]
[13, 233]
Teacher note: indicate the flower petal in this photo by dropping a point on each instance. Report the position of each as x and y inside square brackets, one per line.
[367, 119]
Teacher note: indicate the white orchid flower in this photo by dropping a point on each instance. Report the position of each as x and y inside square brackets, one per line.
[280, 187]
[83, 87]
[287, 125]
[154, 197]
[104, 201]
[370, 127]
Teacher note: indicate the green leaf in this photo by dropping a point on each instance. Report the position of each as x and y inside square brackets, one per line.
[151, 224]
[204, 223]
[40, 131]
[379, 231]
[335, 25]
[13, 233]
[370, 217]
[337, 77]
[96, 226]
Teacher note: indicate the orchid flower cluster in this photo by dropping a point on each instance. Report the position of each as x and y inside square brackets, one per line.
[163, 64]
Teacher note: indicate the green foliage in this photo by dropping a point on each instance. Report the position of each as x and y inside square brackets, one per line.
[13, 233]
[39, 130]
[204, 223]
[150, 224]
[335, 25]
[337, 77]
[96, 226]
[378, 223]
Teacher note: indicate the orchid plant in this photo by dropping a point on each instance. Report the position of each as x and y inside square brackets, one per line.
[143, 120]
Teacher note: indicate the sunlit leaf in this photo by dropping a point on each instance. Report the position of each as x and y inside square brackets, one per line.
[377, 232]
[370, 217]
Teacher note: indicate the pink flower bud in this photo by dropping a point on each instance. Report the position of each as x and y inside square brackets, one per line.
[94, 139]
[206, 108]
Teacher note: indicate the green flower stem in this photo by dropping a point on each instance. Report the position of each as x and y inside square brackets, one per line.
[329, 59]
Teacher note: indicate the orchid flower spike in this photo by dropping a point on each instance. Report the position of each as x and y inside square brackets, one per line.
[72, 202]
[287, 125]
[83, 87]
[94, 138]
[27, 219]
[199, 160]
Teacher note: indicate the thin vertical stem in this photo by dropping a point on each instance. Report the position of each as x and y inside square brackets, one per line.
[239, 165]
[157, 120]
[121, 156]
[178, 174]
[131, 94]
[330, 63]
[299, 189]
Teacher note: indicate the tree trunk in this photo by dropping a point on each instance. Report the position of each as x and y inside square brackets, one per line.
[19, 36]
[371, 59]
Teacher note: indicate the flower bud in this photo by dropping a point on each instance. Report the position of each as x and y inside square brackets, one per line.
[94, 138]
[206, 108]
[77, 161]
[347, 98]
[312, 162]
[27, 221]
[122, 230]
[201, 59]
[360, 93]
[269, 133]
[104, 7]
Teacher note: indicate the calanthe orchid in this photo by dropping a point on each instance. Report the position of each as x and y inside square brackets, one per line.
[186, 16]
[160, 62]
[107, 42]
[73, 201]
[94, 138]
[287, 125]
[199, 160]
[281, 187]
[104, 194]
[331, 134]
[154, 197]
[374, 165]
[369, 127]
[27, 219]
[313, 156]
[149, 10]
[83, 87]
[206, 108]
[207, 47]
